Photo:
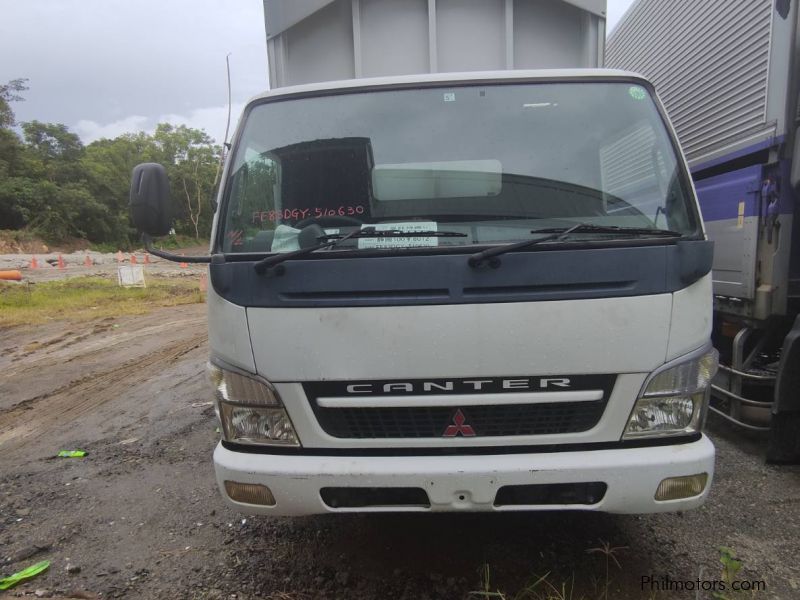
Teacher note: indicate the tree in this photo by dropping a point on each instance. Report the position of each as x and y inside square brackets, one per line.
[53, 184]
[107, 165]
[190, 158]
[58, 149]
[10, 145]
[16, 189]
[10, 92]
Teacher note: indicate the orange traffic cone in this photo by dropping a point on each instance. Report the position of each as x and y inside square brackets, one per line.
[119, 256]
[61, 264]
[183, 265]
[87, 262]
[133, 259]
[34, 263]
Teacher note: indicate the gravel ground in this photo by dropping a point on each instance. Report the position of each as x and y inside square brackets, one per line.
[75, 264]
[140, 516]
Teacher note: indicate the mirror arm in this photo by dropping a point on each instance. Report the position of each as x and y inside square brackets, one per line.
[148, 244]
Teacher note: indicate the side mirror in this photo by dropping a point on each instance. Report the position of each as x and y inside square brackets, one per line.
[151, 209]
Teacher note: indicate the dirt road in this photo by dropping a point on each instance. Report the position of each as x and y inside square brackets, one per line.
[140, 516]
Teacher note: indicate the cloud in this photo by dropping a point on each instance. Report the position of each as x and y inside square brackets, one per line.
[89, 131]
[211, 120]
[103, 61]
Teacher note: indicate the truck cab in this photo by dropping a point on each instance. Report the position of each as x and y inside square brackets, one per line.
[481, 291]
[486, 289]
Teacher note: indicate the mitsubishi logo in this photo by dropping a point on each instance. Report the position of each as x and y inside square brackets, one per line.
[459, 426]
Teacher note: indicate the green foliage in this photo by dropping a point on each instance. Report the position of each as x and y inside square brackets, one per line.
[9, 93]
[730, 569]
[191, 161]
[85, 298]
[52, 184]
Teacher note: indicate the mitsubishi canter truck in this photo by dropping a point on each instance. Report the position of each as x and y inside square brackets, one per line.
[471, 291]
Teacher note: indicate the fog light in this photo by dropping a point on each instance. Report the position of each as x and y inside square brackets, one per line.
[249, 493]
[677, 488]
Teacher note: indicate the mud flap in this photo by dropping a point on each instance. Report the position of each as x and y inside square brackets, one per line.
[784, 440]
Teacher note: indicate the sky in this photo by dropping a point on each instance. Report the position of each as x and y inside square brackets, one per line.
[107, 67]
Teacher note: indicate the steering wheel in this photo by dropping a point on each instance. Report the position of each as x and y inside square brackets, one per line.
[328, 221]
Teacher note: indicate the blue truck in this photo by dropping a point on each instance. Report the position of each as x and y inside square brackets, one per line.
[727, 72]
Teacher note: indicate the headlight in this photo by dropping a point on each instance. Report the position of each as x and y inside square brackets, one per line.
[674, 398]
[249, 409]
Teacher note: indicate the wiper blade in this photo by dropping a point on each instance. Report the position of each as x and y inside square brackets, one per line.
[267, 263]
[478, 258]
[335, 239]
[558, 233]
[590, 228]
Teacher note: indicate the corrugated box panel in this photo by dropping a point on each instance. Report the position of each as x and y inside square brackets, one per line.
[709, 62]
[627, 164]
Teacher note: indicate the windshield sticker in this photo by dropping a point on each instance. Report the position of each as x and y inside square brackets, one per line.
[637, 93]
[401, 242]
[449, 97]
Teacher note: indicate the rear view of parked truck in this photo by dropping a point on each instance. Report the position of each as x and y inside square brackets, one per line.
[727, 72]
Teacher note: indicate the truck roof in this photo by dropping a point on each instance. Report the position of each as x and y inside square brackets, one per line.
[454, 78]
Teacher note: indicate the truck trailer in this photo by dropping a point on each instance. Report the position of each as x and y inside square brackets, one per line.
[727, 72]
[485, 290]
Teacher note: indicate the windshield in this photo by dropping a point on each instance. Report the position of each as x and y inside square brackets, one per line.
[491, 162]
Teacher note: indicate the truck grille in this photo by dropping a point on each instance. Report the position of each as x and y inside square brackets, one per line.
[495, 420]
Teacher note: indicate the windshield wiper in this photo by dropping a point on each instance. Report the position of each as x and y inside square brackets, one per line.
[590, 228]
[558, 233]
[267, 263]
[335, 239]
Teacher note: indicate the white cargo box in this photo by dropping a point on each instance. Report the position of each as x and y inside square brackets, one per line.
[326, 40]
[722, 68]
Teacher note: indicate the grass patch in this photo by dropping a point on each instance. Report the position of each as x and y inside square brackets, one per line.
[549, 587]
[86, 298]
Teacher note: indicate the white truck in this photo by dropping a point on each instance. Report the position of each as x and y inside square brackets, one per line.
[474, 291]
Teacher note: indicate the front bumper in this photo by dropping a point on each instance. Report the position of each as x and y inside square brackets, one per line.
[469, 483]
